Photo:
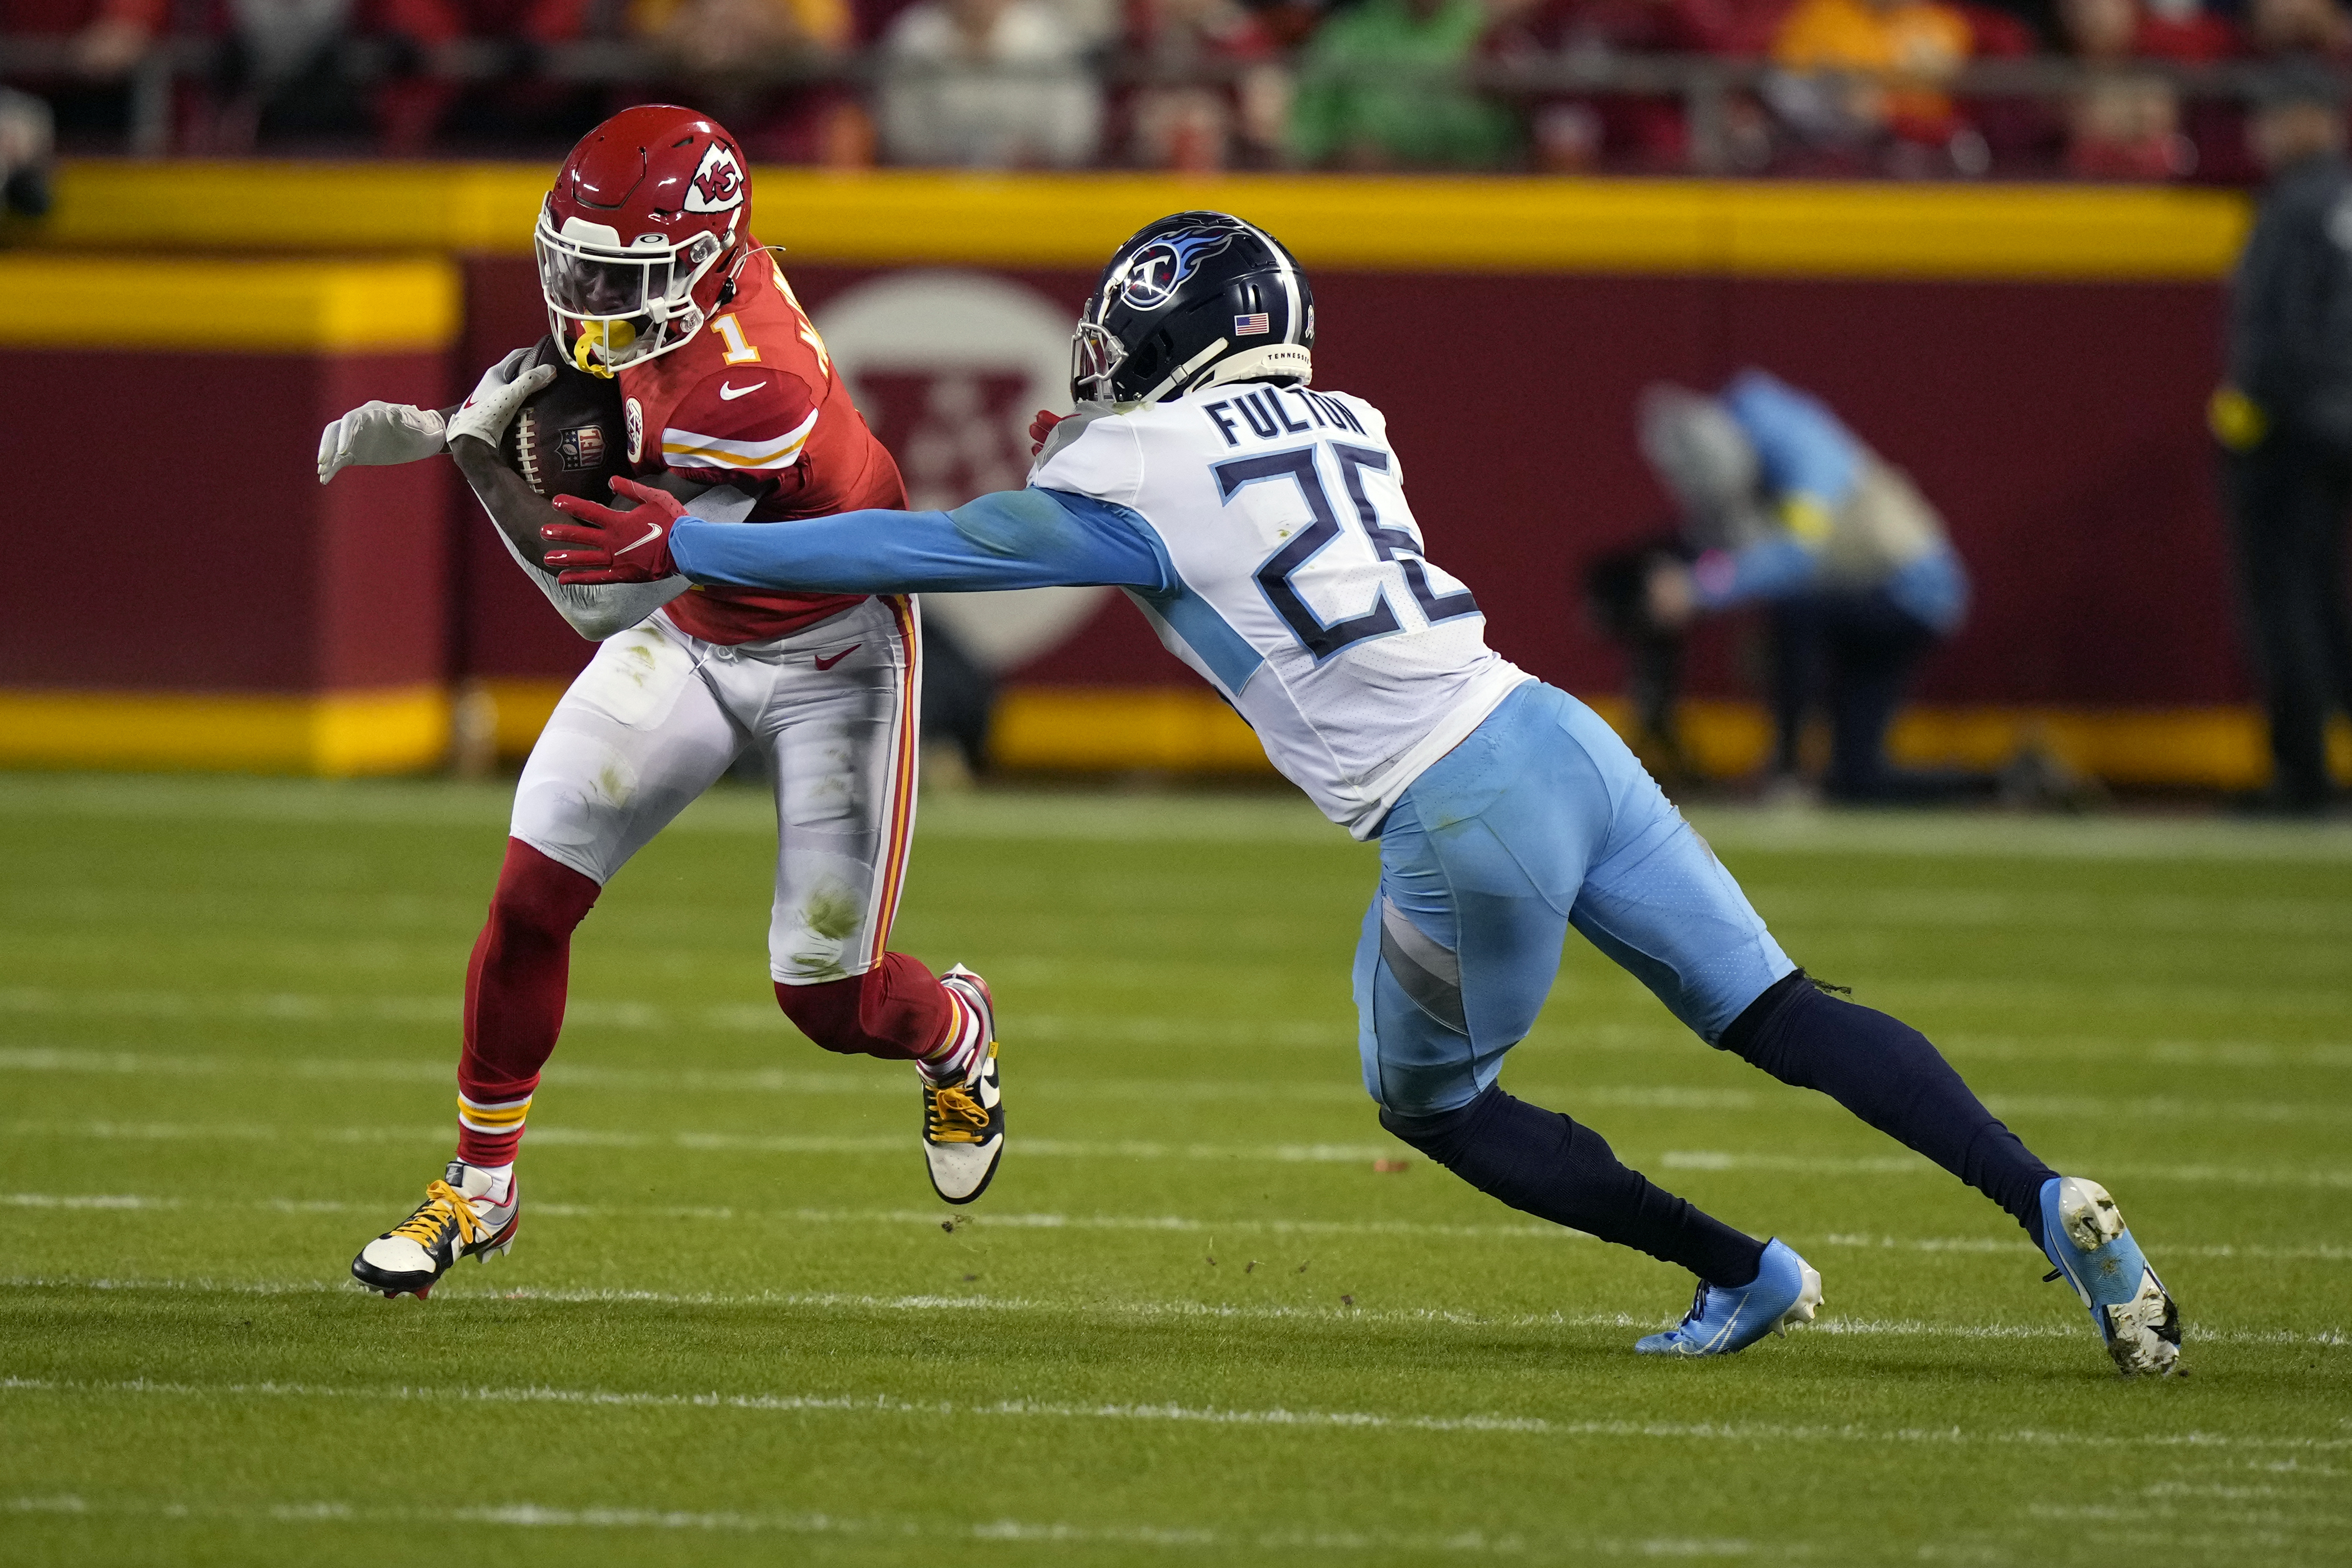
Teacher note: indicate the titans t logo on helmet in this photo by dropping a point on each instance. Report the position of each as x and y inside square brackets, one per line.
[1155, 272]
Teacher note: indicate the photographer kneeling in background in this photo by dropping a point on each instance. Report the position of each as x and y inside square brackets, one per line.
[1787, 507]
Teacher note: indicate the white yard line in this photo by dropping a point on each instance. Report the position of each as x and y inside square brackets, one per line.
[1978, 835]
[1897, 1164]
[2040, 1048]
[734, 1017]
[1161, 1310]
[1277, 816]
[889, 1405]
[729, 1521]
[1142, 1224]
[2081, 917]
[2010, 997]
[927, 1219]
[1335, 1035]
[779, 1080]
[1910, 1164]
[728, 1142]
[2320, 1253]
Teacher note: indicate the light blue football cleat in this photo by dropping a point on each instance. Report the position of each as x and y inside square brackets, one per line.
[1722, 1322]
[2084, 1232]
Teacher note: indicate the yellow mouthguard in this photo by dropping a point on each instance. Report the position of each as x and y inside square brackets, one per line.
[611, 337]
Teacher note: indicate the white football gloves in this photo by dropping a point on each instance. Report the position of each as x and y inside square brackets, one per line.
[375, 434]
[505, 387]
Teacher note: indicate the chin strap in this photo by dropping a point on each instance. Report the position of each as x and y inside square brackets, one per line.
[727, 288]
[1184, 373]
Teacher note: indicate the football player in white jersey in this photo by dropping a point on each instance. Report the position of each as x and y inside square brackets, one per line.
[1261, 525]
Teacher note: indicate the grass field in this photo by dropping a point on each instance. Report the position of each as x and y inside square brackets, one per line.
[1190, 1322]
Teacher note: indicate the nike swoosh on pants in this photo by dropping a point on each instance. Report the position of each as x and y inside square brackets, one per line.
[822, 663]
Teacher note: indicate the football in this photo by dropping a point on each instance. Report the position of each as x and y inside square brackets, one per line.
[569, 439]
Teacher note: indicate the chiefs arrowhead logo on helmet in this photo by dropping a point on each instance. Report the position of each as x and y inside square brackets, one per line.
[718, 183]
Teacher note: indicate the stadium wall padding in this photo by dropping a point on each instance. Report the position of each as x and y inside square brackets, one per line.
[218, 608]
[2037, 357]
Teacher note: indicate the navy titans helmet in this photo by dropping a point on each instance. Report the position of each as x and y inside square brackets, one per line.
[1190, 302]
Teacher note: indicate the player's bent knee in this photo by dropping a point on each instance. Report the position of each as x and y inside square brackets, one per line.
[1739, 1036]
[539, 895]
[1440, 1134]
[827, 1012]
[896, 1010]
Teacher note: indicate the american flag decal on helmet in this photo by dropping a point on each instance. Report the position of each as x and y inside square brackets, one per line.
[1251, 325]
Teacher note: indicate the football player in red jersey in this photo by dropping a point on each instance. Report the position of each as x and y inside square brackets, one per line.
[652, 277]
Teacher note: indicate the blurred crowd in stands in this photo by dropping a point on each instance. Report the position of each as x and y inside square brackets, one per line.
[2136, 89]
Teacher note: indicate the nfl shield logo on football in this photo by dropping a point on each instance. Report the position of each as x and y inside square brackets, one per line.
[580, 448]
[634, 414]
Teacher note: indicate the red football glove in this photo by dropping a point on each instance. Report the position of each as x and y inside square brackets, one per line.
[1041, 428]
[609, 546]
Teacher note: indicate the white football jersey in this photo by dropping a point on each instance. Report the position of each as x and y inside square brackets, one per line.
[1302, 594]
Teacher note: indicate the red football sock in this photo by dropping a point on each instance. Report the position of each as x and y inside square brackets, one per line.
[514, 998]
[897, 1010]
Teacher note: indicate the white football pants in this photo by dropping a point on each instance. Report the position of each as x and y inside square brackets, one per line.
[657, 716]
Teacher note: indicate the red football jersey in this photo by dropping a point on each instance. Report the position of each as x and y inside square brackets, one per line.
[754, 402]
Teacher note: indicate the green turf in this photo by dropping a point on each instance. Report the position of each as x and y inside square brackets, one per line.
[1190, 1321]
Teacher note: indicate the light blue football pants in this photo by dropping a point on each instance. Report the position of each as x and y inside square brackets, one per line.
[1541, 820]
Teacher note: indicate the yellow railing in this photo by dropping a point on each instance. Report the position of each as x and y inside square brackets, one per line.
[1760, 228]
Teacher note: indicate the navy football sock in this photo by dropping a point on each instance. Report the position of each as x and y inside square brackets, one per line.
[1887, 1073]
[1541, 1162]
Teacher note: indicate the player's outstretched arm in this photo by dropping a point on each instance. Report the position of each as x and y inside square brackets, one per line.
[1013, 538]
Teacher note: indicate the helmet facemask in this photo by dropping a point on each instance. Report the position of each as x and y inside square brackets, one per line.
[1095, 358]
[612, 304]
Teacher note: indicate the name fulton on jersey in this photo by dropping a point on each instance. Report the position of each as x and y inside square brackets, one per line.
[1296, 582]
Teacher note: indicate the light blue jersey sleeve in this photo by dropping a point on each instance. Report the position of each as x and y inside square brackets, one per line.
[1800, 445]
[1013, 538]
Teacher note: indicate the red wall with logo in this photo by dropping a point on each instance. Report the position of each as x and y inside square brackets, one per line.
[2057, 426]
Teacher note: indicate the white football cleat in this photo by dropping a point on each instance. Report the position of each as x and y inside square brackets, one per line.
[963, 1123]
[460, 1217]
[2084, 1232]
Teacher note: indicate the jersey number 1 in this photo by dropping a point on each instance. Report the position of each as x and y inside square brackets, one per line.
[731, 332]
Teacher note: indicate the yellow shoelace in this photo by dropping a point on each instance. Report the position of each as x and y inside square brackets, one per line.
[953, 1106]
[430, 1223]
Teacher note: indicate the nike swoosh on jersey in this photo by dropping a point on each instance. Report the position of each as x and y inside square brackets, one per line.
[822, 663]
[729, 393]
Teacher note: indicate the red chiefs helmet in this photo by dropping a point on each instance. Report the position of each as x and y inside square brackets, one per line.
[643, 212]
